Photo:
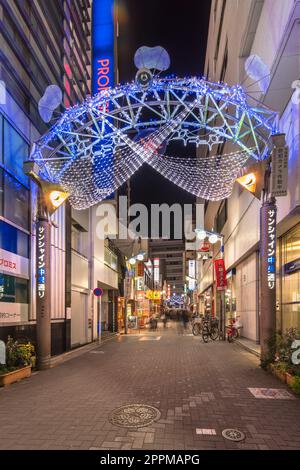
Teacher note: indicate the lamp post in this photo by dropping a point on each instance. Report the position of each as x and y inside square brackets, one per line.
[213, 238]
[49, 199]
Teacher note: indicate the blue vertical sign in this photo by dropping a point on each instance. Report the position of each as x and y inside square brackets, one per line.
[103, 66]
[103, 45]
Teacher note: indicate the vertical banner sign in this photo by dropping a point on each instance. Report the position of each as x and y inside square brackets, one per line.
[279, 175]
[268, 274]
[220, 274]
[43, 280]
[103, 45]
[103, 67]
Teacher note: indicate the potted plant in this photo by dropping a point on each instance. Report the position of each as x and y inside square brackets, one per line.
[295, 384]
[19, 361]
[279, 370]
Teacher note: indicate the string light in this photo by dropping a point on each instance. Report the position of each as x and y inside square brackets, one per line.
[95, 147]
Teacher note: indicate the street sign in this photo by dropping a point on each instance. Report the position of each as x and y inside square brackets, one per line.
[204, 247]
[220, 274]
[279, 174]
[98, 292]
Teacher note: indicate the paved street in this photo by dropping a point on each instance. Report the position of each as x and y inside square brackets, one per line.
[194, 385]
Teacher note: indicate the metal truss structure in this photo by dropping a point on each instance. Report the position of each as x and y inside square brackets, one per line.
[95, 147]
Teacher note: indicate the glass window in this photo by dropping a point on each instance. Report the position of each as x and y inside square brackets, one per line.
[1, 191]
[16, 151]
[14, 240]
[290, 281]
[13, 289]
[16, 202]
[1, 138]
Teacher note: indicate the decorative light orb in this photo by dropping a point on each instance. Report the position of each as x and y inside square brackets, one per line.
[140, 257]
[201, 235]
[213, 238]
[132, 261]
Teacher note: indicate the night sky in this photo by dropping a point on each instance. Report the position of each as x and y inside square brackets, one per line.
[180, 26]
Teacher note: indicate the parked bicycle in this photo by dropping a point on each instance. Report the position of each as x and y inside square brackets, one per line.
[233, 330]
[197, 321]
[210, 329]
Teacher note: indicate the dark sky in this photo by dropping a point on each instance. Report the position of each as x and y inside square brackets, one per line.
[180, 26]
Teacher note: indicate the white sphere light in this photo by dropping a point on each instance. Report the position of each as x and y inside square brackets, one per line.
[132, 260]
[201, 235]
[213, 238]
[140, 257]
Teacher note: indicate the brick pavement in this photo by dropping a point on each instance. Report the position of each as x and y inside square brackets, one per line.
[194, 385]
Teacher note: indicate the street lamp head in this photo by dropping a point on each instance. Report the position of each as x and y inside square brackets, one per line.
[140, 256]
[213, 238]
[201, 235]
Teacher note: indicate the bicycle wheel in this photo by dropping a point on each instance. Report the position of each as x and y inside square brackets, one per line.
[235, 333]
[196, 329]
[230, 338]
[214, 333]
[205, 334]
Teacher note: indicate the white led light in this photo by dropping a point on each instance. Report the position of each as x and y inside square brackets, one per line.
[201, 235]
[213, 238]
[90, 151]
[140, 257]
[132, 261]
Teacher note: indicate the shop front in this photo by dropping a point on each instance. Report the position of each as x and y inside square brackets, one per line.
[288, 280]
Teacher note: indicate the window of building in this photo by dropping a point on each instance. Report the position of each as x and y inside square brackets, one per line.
[221, 216]
[16, 151]
[289, 279]
[14, 240]
[16, 202]
[13, 289]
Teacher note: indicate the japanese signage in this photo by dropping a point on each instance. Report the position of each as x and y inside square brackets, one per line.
[13, 264]
[220, 274]
[140, 268]
[103, 45]
[271, 248]
[204, 247]
[41, 283]
[11, 312]
[156, 269]
[139, 283]
[43, 277]
[279, 175]
[153, 294]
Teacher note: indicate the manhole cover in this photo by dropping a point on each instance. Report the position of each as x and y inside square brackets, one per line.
[233, 435]
[134, 416]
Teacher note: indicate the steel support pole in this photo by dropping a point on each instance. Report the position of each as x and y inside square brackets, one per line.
[268, 213]
[43, 286]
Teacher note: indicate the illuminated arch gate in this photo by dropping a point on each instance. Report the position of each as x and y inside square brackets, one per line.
[96, 146]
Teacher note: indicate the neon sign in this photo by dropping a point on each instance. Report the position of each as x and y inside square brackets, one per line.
[103, 45]
[41, 262]
[271, 250]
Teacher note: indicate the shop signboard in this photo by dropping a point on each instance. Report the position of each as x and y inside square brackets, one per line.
[292, 266]
[220, 274]
[153, 294]
[279, 174]
[204, 247]
[11, 312]
[14, 265]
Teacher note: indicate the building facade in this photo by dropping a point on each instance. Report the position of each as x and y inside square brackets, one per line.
[232, 39]
[171, 254]
[42, 44]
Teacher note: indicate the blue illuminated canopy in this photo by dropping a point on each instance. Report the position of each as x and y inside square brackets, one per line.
[98, 145]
